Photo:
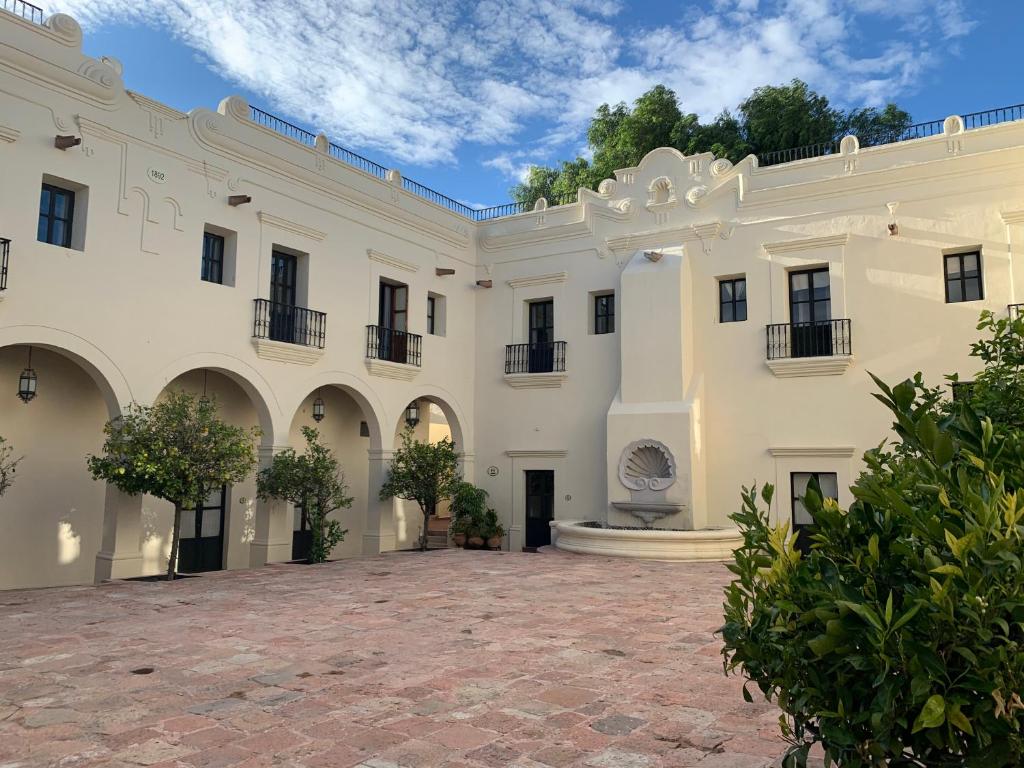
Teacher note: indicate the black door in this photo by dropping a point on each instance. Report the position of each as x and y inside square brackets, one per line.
[393, 321]
[540, 507]
[542, 336]
[803, 523]
[302, 534]
[810, 313]
[283, 271]
[201, 542]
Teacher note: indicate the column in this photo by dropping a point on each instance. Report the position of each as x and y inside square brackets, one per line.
[379, 532]
[272, 538]
[120, 554]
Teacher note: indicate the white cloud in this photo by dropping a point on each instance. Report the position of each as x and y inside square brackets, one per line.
[418, 79]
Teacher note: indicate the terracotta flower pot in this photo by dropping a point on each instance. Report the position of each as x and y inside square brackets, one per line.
[459, 539]
[475, 541]
[494, 542]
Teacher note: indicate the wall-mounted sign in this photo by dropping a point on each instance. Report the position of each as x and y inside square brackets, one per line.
[492, 471]
[156, 176]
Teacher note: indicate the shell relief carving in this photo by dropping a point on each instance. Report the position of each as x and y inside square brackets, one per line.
[647, 465]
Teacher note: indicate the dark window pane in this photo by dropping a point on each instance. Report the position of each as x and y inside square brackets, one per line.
[741, 290]
[970, 262]
[726, 290]
[58, 233]
[741, 310]
[953, 266]
[41, 232]
[44, 201]
[972, 289]
[955, 294]
[727, 313]
[60, 205]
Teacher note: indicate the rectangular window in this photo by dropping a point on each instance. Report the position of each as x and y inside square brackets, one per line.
[828, 482]
[604, 313]
[962, 390]
[56, 214]
[213, 258]
[732, 300]
[963, 277]
[431, 314]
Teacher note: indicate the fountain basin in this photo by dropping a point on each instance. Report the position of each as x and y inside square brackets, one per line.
[649, 511]
[704, 545]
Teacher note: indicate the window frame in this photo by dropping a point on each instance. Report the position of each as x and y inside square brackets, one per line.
[204, 273]
[431, 315]
[51, 216]
[796, 527]
[962, 279]
[733, 302]
[607, 317]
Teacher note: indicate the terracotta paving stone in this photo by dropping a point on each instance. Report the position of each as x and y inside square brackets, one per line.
[452, 659]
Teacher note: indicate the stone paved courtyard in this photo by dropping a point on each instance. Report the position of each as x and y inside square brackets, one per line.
[446, 659]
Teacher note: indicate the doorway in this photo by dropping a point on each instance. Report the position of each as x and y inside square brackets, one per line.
[393, 321]
[302, 534]
[810, 312]
[201, 537]
[542, 336]
[540, 507]
[283, 279]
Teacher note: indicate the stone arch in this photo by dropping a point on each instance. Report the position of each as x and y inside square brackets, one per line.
[661, 191]
[461, 433]
[272, 420]
[109, 378]
[359, 391]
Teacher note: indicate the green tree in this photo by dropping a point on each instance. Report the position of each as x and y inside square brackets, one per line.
[424, 472]
[8, 466]
[178, 450]
[873, 126]
[897, 639]
[997, 391]
[315, 482]
[785, 116]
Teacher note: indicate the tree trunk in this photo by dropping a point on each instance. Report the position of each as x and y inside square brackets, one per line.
[426, 524]
[172, 560]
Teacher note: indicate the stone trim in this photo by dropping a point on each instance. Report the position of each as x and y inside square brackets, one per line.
[793, 367]
[1013, 217]
[289, 226]
[388, 370]
[538, 453]
[802, 451]
[806, 244]
[287, 353]
[9, 134]
[391, 261]
[535, 380]
[523, 282]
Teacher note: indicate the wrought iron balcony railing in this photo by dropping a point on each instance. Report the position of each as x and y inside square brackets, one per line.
[824, 338]
[5, 252]
[394, 346]
[544, 357]
[27, 11]
[293, 325]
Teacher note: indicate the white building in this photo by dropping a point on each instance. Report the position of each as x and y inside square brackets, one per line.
[725, 316]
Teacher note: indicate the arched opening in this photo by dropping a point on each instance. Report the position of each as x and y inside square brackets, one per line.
[218, 534]
[348, 427]
[52, 516]
[432, 420]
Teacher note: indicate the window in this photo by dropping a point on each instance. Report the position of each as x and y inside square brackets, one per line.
[213, 258]
[732, 300]
[963, 277]
[56, 214]
[962, 390]
[828, 482]
[431, 313]
[604, 313]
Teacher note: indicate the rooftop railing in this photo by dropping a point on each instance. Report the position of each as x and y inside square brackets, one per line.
[24, 10]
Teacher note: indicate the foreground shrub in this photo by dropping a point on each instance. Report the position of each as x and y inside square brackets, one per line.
[898, 639]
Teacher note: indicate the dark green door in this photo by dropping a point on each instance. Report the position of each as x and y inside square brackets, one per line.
[540, 507]
[201, 544]
[542, 336]
[283, 278]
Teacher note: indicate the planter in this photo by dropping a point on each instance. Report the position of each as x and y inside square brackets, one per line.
[494, 542]
[459, 539]
[475, 541]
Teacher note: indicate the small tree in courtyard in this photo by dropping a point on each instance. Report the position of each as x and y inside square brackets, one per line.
[314, 481]
[898, 638]
[8, 466]
[177, 450]
[426, 473]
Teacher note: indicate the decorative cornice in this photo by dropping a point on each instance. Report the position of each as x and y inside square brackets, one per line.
[806, 244]
[538, 453]
[9, 134]
[289, 226]
[388, 370]
[671, 235]
[523, 282]
[391, 261]
[793, 367]
[1013, 217]
[805, 451]
[535, 380]
[283, 352]
[155, 106]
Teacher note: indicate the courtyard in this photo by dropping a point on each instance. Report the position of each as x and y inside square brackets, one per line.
[450, 658]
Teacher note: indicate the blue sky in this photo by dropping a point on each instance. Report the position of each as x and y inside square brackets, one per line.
[463, 95]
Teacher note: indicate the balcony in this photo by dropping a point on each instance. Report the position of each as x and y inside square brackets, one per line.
[821, 348]
[5, 252]
[393, 354]
[288, 333]
[531, 366]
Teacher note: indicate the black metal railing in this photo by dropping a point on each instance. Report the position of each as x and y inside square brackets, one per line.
[294, 325]
[545, 357]
[394, 346]
[818, 339]
[24, 10]
[5, 252]
[915, 131]
[1015, 311]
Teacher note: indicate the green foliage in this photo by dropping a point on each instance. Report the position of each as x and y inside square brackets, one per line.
[8, 466]
[177, 450]
[771, 118]
[424, 472]
[897, 640]
[315, 482]
[471, 515]
[998, 389]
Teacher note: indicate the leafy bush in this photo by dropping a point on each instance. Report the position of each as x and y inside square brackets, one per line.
[471, 515]
[8, 466]
[898, 639]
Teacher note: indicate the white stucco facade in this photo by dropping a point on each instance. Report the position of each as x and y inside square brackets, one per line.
[120, 314]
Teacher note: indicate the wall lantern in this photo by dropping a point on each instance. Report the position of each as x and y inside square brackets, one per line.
[319, 411]
[412, 414]
[28, 381]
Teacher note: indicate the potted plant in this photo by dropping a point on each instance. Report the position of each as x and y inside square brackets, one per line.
[457, 531]
[468, 507]
[493, 531]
